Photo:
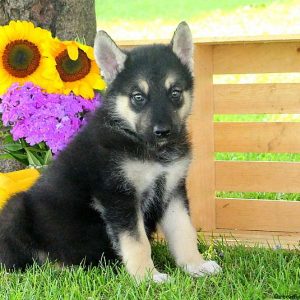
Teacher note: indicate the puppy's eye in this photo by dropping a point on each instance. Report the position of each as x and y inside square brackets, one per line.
[138, 99]
[176, 95]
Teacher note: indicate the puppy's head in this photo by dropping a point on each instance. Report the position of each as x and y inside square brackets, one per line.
[150, 87]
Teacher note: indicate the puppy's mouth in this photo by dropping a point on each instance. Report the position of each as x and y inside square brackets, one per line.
[162, 141]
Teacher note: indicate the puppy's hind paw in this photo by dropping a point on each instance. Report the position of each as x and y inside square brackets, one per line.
[209, 267]
[160, 277]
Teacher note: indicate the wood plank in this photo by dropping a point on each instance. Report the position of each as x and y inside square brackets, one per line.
[267, 215]
[219, 40]
[256, 58]
[275, 240]
[271, 137]
[201, 189]
[273, 98]
[251, 238]
[258, 176]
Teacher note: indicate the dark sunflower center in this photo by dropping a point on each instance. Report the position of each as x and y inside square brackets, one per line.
[72, 70]
[21, 58]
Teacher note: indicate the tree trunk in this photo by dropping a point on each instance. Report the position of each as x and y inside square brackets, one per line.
[66, 19]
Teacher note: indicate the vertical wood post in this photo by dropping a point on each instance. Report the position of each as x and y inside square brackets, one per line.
[201, 178]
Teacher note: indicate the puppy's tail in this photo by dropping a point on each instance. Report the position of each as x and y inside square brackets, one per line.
[16, 243]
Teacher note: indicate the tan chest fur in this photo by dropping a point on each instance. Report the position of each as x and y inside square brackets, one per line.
[142, 174]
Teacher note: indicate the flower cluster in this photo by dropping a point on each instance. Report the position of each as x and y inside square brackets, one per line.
[47, 86]
[38, 117]
[31, 54]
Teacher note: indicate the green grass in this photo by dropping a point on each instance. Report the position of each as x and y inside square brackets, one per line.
[147, 10]
[248, 273]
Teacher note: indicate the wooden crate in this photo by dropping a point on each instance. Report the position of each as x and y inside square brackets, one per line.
[259, 221]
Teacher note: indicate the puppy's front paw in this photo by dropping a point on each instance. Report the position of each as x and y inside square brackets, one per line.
[209, 267]
[160, 277]
[154, 275]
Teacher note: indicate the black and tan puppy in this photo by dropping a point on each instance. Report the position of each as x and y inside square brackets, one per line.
[122, 176]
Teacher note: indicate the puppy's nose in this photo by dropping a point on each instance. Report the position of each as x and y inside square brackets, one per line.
[161, 131]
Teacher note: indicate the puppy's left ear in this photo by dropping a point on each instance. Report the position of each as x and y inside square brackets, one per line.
[182, 44]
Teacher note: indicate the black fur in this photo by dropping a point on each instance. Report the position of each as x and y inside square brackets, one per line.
[56, 216]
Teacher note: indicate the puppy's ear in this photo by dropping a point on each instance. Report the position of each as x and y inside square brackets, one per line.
[182, 44]
[109, 57]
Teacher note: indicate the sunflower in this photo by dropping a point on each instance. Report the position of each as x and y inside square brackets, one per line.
[77, 68]
[24, 57]
[16, 182]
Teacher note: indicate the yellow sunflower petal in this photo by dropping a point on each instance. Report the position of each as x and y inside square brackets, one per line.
[72, 51]
[86, 91]
[26, 27]
[88, 50]
[15, 182]
[99, 84]
[5, 84]
[2, 34]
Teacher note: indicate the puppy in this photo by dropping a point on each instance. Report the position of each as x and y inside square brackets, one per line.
[122, 176]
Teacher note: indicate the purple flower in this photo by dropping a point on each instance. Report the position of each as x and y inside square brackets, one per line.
[38, 117]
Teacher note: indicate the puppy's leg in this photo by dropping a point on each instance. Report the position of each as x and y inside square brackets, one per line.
[182, 239]
[136, 254]
[125, 226]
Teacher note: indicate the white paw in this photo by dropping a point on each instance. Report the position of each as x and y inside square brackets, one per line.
[160, 277]
[209, 267]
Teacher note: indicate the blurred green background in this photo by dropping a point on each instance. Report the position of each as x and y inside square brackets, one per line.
[147, 10]
[138, 19]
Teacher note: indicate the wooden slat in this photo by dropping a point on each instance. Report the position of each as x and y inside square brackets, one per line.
[275, 240]
[256, 58]
[201, 189]
[273, 98]
[220, 40]
[258, 176]
[251, 238]
[267, 215]
[272, 137]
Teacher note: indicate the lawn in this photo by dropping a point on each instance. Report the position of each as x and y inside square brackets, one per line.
[248, 273]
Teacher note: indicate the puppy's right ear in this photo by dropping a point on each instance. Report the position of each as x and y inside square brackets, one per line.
[109, 57]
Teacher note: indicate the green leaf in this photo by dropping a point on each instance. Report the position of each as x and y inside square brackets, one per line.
[12, 147]
[23, 143]
[32, 159]
[19, 155]
[8, 139]
[33, 149]
[22, 158]
[48, 157]
[42, 145]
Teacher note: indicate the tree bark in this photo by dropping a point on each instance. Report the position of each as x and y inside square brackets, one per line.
[66, 19]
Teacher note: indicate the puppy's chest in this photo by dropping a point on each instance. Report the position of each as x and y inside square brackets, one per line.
[144, 175]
